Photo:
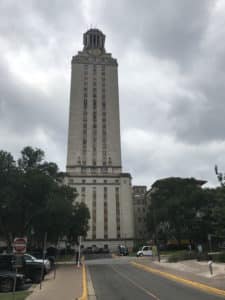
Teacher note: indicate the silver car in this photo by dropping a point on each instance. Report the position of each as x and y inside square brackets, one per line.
[29, 258]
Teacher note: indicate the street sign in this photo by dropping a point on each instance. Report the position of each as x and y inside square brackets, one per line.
[20, 245]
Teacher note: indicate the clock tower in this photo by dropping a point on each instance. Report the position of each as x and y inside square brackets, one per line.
[94, 149]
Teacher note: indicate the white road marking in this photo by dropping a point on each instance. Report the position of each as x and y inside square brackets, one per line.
[136, 284]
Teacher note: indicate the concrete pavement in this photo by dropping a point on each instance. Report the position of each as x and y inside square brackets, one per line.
[191, 270]
[66, 286]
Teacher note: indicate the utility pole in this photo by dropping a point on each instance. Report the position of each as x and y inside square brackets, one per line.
[43, 257]
[155, 229]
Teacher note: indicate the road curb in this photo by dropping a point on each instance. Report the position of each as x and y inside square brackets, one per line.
[185, 281]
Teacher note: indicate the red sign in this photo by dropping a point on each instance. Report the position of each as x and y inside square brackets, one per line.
[20, 245]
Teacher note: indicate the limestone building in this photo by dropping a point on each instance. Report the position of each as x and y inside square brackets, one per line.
[140, 212]
[94, 148]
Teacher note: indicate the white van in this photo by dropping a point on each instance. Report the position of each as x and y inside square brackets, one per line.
[145, 251]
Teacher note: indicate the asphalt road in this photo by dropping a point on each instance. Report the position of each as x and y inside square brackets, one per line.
[116, 279]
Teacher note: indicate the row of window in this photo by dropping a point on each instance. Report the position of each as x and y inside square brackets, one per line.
[84, 146]
[94, 119]
[94, 88]
[71, 181]
[104, 127]
[105, 214]
[86, 67]
[105, 190]
[141, 209]
[117, 212]
[94, 170]
[94, 214]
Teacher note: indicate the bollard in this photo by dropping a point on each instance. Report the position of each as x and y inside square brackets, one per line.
[210, 267]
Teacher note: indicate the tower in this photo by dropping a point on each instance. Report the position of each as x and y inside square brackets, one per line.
[94, 148]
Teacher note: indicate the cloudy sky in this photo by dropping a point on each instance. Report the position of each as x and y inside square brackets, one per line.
[171, 58]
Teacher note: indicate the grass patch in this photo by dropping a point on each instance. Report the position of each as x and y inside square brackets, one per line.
[219, 257]
[18, 295]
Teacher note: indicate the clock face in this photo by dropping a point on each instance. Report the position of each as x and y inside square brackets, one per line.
[95, 51]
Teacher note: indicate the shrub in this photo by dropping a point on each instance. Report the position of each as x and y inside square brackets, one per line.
[182, 255]
[220, 257]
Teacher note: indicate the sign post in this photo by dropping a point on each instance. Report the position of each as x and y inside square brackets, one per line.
[20, 245]
[19, 248]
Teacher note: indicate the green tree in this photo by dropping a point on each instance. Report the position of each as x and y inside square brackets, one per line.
[219, 208]
[8, 177]
[34, 199]
[179, 209]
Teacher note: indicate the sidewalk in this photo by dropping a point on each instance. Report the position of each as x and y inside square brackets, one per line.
[66, 286]
[191, 270]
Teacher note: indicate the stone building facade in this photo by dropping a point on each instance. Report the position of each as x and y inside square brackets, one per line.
[140, 211]
[94, 150]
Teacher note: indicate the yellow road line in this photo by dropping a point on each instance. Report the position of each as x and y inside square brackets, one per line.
[84, 283]
[191, 283]
[136, 284]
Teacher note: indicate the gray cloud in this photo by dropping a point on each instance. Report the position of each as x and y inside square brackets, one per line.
[171, 75]
[168, 29]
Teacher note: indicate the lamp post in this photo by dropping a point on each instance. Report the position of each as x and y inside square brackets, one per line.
[78, 263]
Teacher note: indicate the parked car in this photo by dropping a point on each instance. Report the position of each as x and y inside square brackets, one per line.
[123, 250]
[7, 280]
[145, 251]
[30, 269]
[95, 249]
[29, 259]
[106, 250]
[87, 250]
[8, 275]
[51, 253]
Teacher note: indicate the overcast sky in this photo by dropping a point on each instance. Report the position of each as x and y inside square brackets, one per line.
[171, 58]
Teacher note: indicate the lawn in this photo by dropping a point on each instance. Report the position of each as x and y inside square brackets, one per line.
[18, 295]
